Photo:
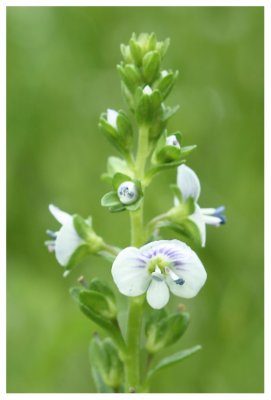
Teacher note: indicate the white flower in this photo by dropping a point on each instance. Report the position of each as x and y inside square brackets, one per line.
[189, 185]
[158, 268]
[65, 241]
[112, 116]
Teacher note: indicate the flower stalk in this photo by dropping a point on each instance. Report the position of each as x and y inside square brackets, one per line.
[152, 267]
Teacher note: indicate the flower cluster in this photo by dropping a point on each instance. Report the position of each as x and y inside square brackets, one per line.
[152, 266]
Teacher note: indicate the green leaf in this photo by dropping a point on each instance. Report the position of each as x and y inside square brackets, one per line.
[118, 208]
[186, 229]
[110, 199]
[118, 179]
[97, 285]
[79, 254]
[171, 360]
[185, 151]
[134, 206]
[97, 303]
[161, 167]
[166, 331]
[168, 112]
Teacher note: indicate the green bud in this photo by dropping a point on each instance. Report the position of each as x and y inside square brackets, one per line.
[118, 129]
[131, 76]
[136, 51]
[151, 66]
[165, 83]
[105, 359]
[148, 105]
[126, 53]
[165, 330]
[142, 44]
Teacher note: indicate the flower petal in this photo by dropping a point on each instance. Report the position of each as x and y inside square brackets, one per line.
[61, 216]
[199, 220]
[157, 293]
[193, 274]
[130, 272]
[112, 116]
[170, 250]
[188, 182]
[67, 242]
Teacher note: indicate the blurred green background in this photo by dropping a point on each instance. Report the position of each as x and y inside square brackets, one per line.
[61, 76]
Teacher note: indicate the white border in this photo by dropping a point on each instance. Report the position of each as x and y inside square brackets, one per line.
[258, 3]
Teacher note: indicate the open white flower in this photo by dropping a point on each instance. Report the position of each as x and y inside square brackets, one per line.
[189, 185]
[65, 241]
[158, 268]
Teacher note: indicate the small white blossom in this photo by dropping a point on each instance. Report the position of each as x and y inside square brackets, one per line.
[173, 141]
[112, 116]
[128, 192]
[147, 90]
[189, 185]
[159, 268]
[66, 240]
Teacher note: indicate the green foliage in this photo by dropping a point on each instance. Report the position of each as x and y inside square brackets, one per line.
[163, 330]
[171, 360]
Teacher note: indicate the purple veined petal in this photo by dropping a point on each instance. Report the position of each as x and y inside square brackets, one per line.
[188, 182]
[198, 219]
[67, 242]
[194, 276]
[170, 250]
[130, 272]
[61, 216]
[158, 293]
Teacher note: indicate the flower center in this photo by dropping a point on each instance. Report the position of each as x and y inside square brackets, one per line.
[157, 262]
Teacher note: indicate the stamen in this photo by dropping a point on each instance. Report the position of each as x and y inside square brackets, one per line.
[180, 281]
[50, 244]
[51, 234]
[175, 277]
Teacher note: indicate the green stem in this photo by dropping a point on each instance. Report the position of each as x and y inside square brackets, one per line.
[142, 151]
[132, 364]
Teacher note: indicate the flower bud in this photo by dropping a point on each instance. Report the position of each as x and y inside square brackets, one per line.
[131, 76]
[151, 66]
[165, 83]
[128, 193]
[148, 104]
[118, 129]
[173, 141]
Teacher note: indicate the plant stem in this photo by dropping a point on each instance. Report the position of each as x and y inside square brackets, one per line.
[132, 363]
